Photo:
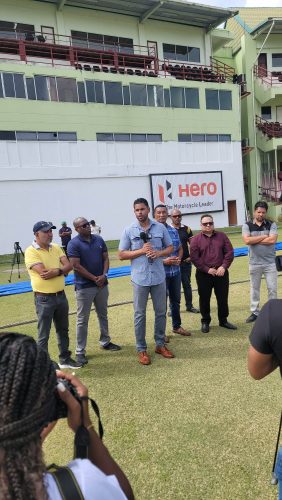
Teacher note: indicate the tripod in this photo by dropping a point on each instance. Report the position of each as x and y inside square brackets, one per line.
[16, 259]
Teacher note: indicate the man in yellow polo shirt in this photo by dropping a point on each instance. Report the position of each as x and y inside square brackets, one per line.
[47, 264]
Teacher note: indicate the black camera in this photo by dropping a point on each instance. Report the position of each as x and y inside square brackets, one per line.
[61, 409]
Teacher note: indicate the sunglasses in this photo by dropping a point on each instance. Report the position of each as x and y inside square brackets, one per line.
[205, 224]
[176, 216]
[85, 225]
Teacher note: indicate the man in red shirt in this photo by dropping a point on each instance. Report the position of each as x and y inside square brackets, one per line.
[212, 254]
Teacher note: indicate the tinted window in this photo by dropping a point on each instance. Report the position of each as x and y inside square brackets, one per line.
[122, 137]
[26, 136]
[138, 137]
[105, 137]
[113, 93]
[184, 137]
[19, 85]
[30, 87]
[47, 136]
[41, 88]
[198, 137]
[67, 90]
[126, 95]
[169, 51]
[67, 136]
[7, 135]
[225, 99]
[99, 92]
[211, 137]
[192, 98]
[212, 99]
[193, 54]
[266, 112]
[8, 81]
[167, 98]
[1, 87]
[177, 97]
[224, 137]
[52, 88]
[154, 137]
[138, 94]
[81, 92]
[181, 53]
[90, 89]
[151, 95]
[276, 60]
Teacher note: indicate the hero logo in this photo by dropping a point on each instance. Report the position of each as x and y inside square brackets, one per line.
[165, 192]
[186, 190]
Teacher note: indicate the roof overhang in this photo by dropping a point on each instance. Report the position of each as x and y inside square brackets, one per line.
[174, 11]
[264, 27]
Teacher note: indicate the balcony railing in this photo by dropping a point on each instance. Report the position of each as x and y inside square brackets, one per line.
[60, 50]
[271, 129]
[270, 78]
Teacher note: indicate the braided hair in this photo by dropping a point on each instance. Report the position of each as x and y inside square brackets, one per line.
[27, 394]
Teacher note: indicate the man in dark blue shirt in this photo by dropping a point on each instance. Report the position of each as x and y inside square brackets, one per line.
[65, 235]
[88, 255]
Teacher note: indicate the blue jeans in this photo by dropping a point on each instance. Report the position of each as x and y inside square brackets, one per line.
[53, 308]
[140, 299]
[173, 290]
[85, 297]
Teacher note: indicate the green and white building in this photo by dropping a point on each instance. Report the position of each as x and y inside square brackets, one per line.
[104, 101]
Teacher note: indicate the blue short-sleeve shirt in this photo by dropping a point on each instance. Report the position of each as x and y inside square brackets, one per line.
[144, 271]
[91, 257]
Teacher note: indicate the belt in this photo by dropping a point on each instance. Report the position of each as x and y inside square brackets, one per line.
[50, 294]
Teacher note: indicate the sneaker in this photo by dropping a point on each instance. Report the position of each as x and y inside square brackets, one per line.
[192, 310]
[111, 347]
[70, 363]
[81, 359]
[251, 318]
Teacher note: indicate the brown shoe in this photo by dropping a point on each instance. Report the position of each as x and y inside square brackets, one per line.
[164, 352]
[181, 331]
[144, 358]
[166, 339]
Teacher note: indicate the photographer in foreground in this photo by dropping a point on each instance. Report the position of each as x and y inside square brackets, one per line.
[265, 351]
[29, 399]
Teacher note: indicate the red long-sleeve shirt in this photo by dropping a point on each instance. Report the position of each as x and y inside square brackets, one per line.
[211, 251]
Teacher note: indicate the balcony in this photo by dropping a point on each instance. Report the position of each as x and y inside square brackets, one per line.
[268, 84]
[270, 129]
[33, 47]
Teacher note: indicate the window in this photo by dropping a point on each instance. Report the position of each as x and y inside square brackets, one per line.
[224, 138]
[109, 137]
[177, 97]
[19, 85]
[10, 29]
[14, 85]
[102, 42]
[181, 53]
[37, 136]
[9, 87]
[47, 136]
[30, 87]
[155, 95]
[67, 89]
[99, 91]
[41, 88]
[211, 138]
[81, 92]
[192, 98]
[276, 60]
[266, 112]
[122, 137]
[52, 87]
[184, 137]
[138, 94]
[154, 137]
[204, 138]
[126, 95]
[138, 138]
[7, 135]
[113, 93]
[1, 88]
[167, 98]
[90, 89]
[105, 137]
[218, 99]
[26, 136]
[198, 137]
[67, 136]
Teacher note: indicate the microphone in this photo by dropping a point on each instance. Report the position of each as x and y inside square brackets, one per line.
[146, 237]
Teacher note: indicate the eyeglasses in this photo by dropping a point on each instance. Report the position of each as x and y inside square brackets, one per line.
[176, 216]
[85, 225]
[205, 224]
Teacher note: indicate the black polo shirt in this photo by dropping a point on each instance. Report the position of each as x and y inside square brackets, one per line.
[184, 233]
[266, 335]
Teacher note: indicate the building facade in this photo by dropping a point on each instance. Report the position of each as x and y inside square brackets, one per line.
[96, 99]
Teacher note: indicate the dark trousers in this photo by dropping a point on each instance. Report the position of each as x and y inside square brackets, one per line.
[185, 269]
[53, 308]
[206, 282]
[173, 290]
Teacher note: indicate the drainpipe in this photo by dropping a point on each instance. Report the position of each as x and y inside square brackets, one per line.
[253, 99]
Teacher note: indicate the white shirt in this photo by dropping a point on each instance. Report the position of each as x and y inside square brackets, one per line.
[92, 482]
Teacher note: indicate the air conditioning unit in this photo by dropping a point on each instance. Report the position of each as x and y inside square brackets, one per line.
[241, 78]
[245, 142]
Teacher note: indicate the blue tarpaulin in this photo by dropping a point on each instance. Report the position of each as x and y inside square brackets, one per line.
[117, 272]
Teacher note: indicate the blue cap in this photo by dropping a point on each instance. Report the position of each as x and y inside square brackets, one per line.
[43, 226]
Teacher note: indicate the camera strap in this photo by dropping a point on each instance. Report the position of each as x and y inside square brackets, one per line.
[66, 482]
[82, 438]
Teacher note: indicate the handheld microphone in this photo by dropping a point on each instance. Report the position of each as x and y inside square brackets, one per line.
[146, 237]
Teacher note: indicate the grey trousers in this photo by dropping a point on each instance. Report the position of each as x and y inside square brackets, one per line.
[256, 273]
[84, 300]
[140, 299]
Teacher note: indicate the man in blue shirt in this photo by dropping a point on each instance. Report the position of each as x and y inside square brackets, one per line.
[172, 271]
[145, 242]
[88, 255]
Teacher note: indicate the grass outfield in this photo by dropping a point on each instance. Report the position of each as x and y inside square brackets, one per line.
[194, 427]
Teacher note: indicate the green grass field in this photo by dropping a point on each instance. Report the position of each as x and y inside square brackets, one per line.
[195, 427]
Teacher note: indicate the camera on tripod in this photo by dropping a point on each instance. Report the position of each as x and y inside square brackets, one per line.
[16, 259]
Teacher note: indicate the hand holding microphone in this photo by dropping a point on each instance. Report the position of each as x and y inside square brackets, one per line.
[150, 252]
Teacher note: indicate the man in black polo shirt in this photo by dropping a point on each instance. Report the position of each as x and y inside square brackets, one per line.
[185, 234]
[88, 255]
[65, 235]
[265, 351]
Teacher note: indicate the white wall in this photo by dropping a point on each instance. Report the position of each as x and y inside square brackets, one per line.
[61, 181]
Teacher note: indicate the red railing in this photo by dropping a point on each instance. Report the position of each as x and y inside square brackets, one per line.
[270, 193]
[268, 77]
[139, 60]
[271, 129]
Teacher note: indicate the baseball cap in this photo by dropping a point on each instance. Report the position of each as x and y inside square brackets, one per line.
[43, 226]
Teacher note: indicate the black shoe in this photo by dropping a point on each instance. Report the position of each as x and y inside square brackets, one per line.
[205, 328]
[192, 310]
[111, 347]
[251, 318]
[82, 359]
[228, 325]
[70, 363]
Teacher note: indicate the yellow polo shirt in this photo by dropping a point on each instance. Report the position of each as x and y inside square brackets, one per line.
[50, 259]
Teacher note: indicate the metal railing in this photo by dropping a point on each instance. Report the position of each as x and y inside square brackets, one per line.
[271, 129]
[270, 78]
